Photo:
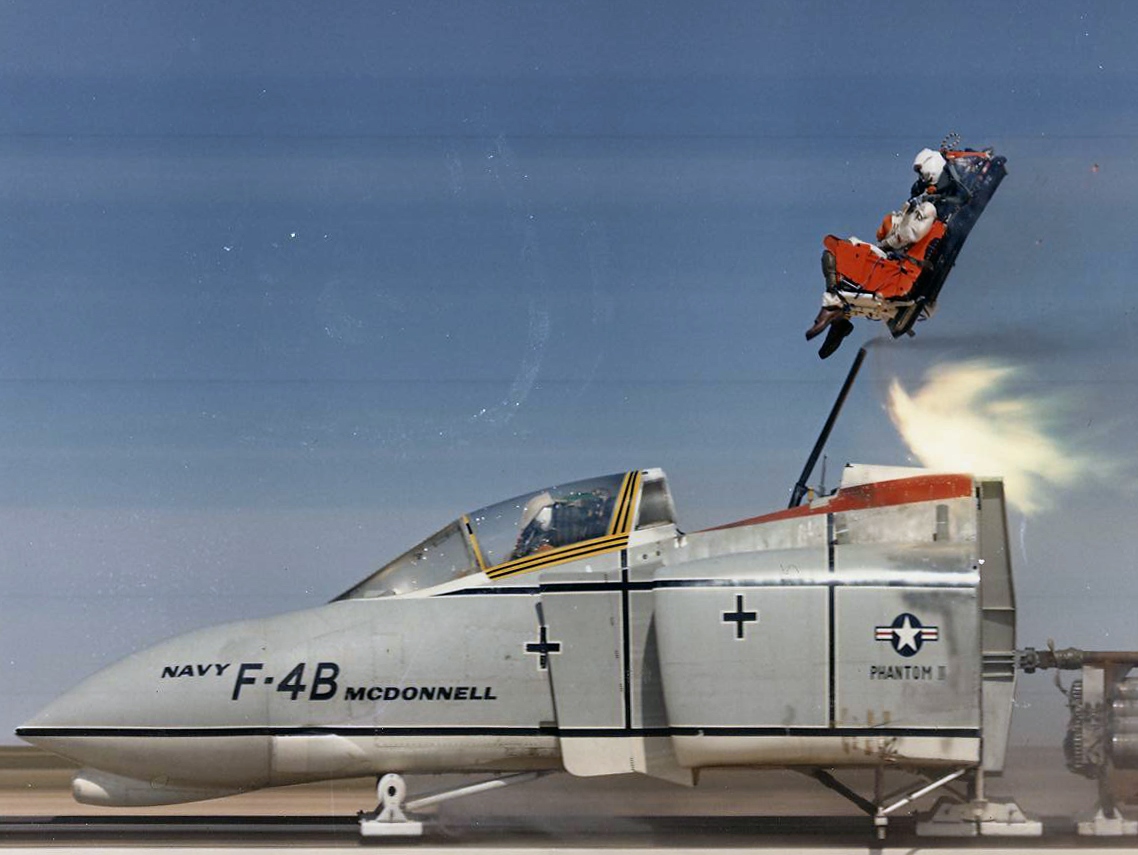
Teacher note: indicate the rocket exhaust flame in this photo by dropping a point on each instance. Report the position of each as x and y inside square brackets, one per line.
[964, 418]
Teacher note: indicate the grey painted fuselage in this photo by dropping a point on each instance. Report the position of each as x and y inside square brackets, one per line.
[870, 627]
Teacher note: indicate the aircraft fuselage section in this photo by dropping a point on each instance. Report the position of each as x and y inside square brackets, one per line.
[847, 633]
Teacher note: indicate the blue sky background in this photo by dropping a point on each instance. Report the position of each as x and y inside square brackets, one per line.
[286, 286]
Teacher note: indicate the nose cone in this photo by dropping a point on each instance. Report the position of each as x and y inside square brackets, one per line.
[177, 686]
[149, 688]
[98, 722]
[101, 701]
[58, 714]
[168, 714]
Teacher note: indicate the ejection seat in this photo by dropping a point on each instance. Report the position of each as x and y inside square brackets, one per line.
[867, 275]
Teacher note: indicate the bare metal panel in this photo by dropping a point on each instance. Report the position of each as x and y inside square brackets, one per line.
[996, 583]
[924, 563]
[799, 533]
[743, 656]
[588, 680]
[915, 522]
[646, 553]
[907, 657]
[587, 669]
[646, 683]
[651, 755]
[868, 749]
[998, 630]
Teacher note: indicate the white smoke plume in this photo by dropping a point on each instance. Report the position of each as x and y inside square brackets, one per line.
[964, 418]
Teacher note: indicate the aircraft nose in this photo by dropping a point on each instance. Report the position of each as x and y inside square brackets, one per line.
[180, 689]
[63, 741]
[75, 713]
[130, 756]
[226, 708]
[59, 713]
[159, 712]
[70, 726]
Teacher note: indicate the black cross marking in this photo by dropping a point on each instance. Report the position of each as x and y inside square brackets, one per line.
[543, 647]
[740, 617]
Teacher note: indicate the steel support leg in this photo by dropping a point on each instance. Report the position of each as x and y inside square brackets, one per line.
[389, 819]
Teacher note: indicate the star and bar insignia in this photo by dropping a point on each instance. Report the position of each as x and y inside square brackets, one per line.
[907, 634]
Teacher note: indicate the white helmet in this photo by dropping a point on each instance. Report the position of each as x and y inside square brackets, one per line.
[534, 508]
[930, 164]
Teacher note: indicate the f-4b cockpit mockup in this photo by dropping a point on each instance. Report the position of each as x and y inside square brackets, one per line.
[576, 628]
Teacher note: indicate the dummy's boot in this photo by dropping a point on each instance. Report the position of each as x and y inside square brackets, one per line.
[826, 316]
[839, 329]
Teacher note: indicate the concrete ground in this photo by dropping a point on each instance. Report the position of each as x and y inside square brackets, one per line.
[36, 784]
[731, 811]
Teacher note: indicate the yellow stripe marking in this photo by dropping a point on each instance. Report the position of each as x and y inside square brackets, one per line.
[625, 524]
[474, 543]
[616, 538]
[627, 495]
[622, 497]
[585, 549]
[539, 558]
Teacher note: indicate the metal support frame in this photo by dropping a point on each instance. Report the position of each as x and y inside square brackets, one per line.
[828, 781]
[800, 487]
[956, 813]
[883, 811]
[429, 801]
[972, 814]
[911, 794]
[882, 805]
[390, 820]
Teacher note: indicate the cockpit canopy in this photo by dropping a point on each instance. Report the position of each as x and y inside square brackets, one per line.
[530, 531]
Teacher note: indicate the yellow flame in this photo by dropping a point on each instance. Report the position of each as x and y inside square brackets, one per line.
[963, 419]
